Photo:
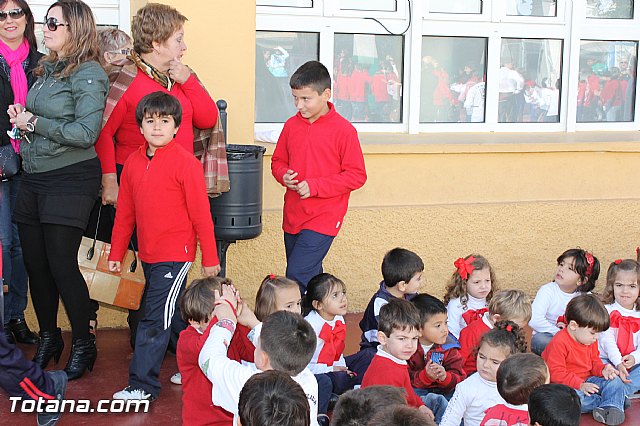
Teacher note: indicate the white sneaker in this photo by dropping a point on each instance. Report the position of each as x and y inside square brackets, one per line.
[176, 379]
[132, 393]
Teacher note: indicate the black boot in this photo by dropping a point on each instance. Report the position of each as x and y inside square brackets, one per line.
[9, 336]
[83, 356]
[49, 346]
[21, 332]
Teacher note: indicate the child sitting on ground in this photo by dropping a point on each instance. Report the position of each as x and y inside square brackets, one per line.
[469, 290]
[272, 398]
[402, 276]
[286, 343]
[436, 367]
[356, 407]
[554, 405]
[196, 305]
[517, 377]
[506, 305]
[574, 360]
[576, 274]
[399, 325]
[479, 391]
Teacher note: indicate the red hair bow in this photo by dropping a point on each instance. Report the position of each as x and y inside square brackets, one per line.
[617, 261]
[589, 257]
[465, 267]
[509, 328]
[272, 277]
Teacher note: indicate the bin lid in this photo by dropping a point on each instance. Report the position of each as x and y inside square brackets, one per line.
[240, 152]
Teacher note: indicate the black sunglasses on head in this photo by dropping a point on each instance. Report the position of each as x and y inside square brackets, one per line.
[53, 24]
[14, 13]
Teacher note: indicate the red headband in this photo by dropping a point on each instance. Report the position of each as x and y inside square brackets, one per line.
[465, 267]
[590, 261]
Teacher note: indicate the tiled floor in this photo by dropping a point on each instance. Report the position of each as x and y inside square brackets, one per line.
[110, 375]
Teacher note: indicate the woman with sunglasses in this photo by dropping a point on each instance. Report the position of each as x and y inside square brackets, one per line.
[61, 177]
[18, 58]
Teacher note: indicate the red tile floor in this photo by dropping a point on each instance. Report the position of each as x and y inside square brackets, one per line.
[111, 372]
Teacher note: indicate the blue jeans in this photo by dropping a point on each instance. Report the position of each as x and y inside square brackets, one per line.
[14, 272]
[539, 341]
[634, 376]
[434, 401]
[611, 394]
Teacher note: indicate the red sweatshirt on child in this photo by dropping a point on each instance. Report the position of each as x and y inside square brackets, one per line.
[469, 341]
[446, 355]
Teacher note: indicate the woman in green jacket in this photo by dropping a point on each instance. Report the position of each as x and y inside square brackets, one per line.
[62, 177]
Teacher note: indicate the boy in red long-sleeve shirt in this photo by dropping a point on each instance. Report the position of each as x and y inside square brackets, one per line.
[574, 360]
[319, 160]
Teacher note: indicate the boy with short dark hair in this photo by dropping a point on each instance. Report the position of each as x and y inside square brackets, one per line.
[319, 160]
[436, 367]
[272, 398]
[517, 377]
[554, 405]
[286, 343]
[400, 416]
[357, 406]
[574, 360]
[163, 194]
[399, 328]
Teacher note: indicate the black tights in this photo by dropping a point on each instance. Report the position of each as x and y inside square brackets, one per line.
[51, 256]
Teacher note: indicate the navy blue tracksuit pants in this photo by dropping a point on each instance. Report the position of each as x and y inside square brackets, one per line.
[305, 252]
[164, 285]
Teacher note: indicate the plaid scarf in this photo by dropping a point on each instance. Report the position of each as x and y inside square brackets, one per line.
[208, 144]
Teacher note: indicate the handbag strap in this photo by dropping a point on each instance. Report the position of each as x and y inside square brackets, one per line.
[92, 249]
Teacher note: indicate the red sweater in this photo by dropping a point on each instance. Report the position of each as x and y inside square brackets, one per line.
[167, 200]
[327, 154]
[506, 416]
[571, 363]
[385, 371]
[357, 85]
[198, 109]
[469, 341]
[450, 360]
[197, 408]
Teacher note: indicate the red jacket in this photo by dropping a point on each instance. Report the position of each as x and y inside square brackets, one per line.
[385, 371]
[571, 363]
[504, 415]
[357, 85]
[446, 355]
[469, 341]
[327, 154]
[198, 109]
[197, 408]
[166, 199]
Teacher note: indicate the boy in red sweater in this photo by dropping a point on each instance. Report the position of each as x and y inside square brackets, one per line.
[398, 332]
[574, 360]
[196, 305]
[319, 160]
[436, 367]
[163, 193]
[507, 305]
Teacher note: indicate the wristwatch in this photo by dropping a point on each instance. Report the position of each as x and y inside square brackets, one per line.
[31, 123]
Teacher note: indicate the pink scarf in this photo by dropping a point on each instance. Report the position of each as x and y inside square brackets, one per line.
[18, 78]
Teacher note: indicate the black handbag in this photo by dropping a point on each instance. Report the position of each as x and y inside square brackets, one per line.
[9, 162]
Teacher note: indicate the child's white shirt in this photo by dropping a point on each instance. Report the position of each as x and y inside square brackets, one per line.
[473, 396]
[549, 304]
[608, 340]
[455, 310]
[228, 376]
[317, 322]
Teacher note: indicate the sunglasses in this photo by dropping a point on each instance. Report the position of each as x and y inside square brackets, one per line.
[53, 24]
[13, 13]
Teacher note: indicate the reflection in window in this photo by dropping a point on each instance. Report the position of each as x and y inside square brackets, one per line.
[531, 7]
[289, 3]
[606, 87]
[452, 85]
[278, 55]
[367, 77]
[610, 9]
[455, 6]
[529, 80]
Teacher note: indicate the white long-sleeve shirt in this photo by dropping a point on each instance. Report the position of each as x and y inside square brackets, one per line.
[549, 304]
[455, 322]
[607, 342]
[317, 322]
[469, 402]
[228, 376]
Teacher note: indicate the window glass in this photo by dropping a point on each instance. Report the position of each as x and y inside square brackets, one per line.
[278, 55]
[455, 6]
[531, 7]
[610, 9]
[289, 3]
[453, 79]
[529, 80]
[374, 5]
[606, 85]
[367, 77]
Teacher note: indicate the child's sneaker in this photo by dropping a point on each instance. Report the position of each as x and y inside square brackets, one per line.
[176, 379]
[609, 416]
[59, 379]
[133, 393]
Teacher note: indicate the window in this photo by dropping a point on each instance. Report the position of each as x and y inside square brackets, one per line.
[531, 7]
[610, 9]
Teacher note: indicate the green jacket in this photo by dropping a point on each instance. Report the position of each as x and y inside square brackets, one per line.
[69, 114]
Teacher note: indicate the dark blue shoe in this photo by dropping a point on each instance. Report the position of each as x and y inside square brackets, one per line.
[59, 379]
